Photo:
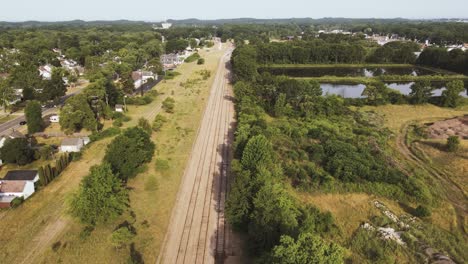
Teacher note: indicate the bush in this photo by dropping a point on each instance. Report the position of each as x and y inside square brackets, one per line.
[453, 143]
[117, 122]
[16, 202]
[201, 61]
[112, 131]
[422, 211]
[168, 105]
[162, 165]
[171, 75]
[158, 122]
[192, 58]
[122, 237]
[139, 100]
[145, 125]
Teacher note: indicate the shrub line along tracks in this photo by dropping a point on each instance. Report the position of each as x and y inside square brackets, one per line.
[197, 232]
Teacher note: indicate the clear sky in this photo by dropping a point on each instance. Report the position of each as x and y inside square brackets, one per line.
[156, 10]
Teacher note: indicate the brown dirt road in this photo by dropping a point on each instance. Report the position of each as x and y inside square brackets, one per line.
[197, 231]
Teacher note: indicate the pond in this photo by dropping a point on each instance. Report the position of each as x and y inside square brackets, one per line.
[348, 71]
[355, 90]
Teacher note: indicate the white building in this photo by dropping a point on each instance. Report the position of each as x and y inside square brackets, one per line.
[22, 175]
[141, 77]
[119, 108]
[54, 119]
[10, 190]
[45, 72]
[72, 145]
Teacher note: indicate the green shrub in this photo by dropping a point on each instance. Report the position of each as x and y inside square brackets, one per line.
[139, 100]
[453, 143]
[171, 75]
[16, 202]
[112, 131]
[117, 122]
[422, 211]
[162, 165]
[168, 105]
[122, 237]
[192, 58]
[158, 122]
[201, 61]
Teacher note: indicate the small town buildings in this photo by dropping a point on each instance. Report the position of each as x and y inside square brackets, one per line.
[72, 145]
[119, 108]
[54, 119]
[10, 190]
[141, 77]
[22, 175]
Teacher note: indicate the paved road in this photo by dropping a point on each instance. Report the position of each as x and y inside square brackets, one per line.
[14, 123]
[197, 231]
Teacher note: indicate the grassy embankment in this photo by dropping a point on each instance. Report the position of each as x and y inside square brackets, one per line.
[42, 223]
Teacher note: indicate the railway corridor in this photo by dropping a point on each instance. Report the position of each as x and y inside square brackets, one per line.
[197, 232]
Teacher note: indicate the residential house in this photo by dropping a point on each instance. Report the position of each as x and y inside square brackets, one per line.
[22, 175]
[72, 145]
[10, 190]
[46, 72]
[119, 108]
[171, 60]
[141, 77]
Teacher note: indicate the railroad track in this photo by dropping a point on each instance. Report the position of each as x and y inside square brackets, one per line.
[197, 231]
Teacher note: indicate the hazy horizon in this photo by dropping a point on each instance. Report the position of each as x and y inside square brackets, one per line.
[147, 10]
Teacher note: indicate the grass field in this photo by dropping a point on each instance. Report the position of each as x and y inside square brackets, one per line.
[363, 65]
[44, 224]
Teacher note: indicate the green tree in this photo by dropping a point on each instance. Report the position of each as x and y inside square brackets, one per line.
[257, 152]
[308, 248]
[77, 114]
[16, 151]
[55, 87]
[145, 125]
[421, 92]
[274, 214]
[453, 143]
[129, 151]
[101, 197]
[33, 113]
[7, 94]
[451, 96]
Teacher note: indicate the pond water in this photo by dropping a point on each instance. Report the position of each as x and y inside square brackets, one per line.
[349, 72]
[355, 90]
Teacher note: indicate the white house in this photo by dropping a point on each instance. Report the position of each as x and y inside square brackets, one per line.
[9, 190]
[119, 108]
[45, 72]
[141, 77]
[72, 145]
[54, 119]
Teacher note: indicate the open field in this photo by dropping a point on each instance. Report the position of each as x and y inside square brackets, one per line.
[152, 197]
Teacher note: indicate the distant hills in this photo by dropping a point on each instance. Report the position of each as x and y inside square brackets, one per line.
[195, 21]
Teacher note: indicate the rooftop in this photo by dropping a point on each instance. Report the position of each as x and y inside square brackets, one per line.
[71, 141]
[20, 175]
[12, 186]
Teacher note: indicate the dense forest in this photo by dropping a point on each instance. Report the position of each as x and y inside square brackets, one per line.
[289, 136]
